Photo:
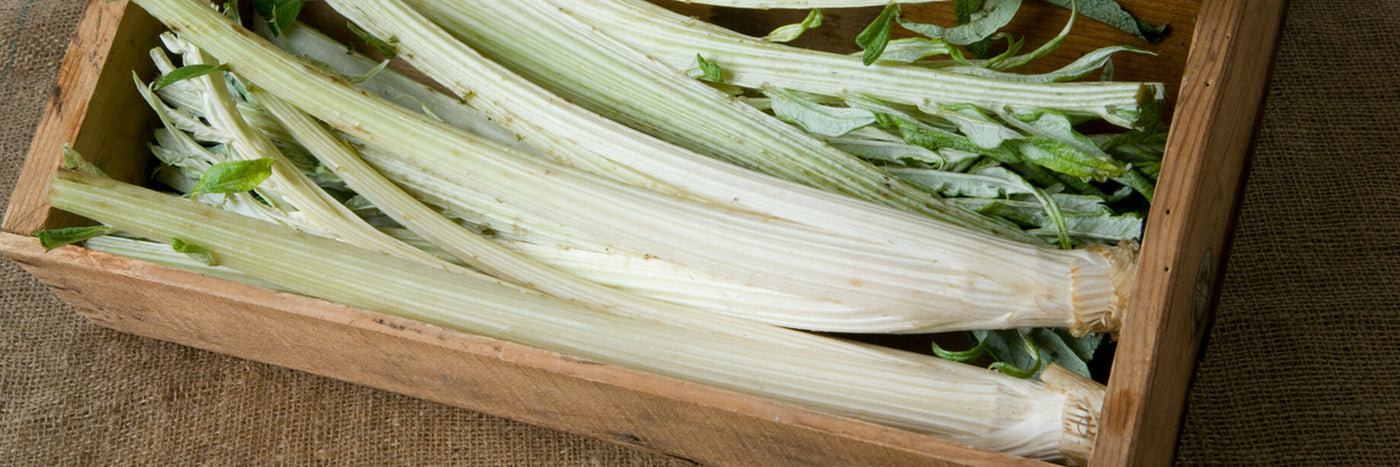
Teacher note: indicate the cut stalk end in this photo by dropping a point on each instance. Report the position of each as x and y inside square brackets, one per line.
[1083, 402]
[1099, 304]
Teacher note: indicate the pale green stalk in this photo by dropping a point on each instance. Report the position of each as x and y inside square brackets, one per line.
[162, 254]
[749, 62]
[951, 280]
[311, 205]
[609, 78]
[954, 401]
[502, 263]
[306, 41]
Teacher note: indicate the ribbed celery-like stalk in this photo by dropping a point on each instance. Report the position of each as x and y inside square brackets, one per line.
[287, 184]
[750, 62]
[502, 263]
[943, 280]
[955, 401]
[617, 82]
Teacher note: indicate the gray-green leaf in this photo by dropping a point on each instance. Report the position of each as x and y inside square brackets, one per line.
[981, 25]
[1111, 13]
[817, 119]
[991, 182]
[1109, 229]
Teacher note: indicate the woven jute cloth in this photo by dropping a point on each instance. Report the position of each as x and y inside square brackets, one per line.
[1299, 366]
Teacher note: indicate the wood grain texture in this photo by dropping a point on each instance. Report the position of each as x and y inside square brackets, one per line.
[658, 414]
[1188, 229]
[99, 112]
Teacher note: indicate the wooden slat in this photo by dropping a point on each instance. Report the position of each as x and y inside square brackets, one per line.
[99, 113]
[1188, 229]
[654, 413]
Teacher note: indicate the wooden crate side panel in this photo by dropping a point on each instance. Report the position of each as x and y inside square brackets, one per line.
[95, 107]
[659, 414]
[1188, 229]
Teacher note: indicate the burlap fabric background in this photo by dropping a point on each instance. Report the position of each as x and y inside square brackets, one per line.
[1300, 365]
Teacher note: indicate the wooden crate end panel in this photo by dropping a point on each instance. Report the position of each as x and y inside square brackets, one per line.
[111, 42]
[1222, 94]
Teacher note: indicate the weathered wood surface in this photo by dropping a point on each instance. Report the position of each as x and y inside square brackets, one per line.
[99, 112]
[1188, 229]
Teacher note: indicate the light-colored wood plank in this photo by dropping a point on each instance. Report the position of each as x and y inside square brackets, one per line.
[654, 413]
[1188, 229]
[99, 112]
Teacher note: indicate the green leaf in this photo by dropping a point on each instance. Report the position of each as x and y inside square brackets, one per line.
[876, 36]
[1146, 144]
[1111, 13]
[1060, 347]
[186, 72]
[195, 252]
[981, 49]
[817, 119]
[75, 161]
[981, 24]
[55, 238]
[1024, 353]
[918, 133]
[1083, 347]
[1138, 182]
[979, 128]
[1013, 47]
[706, 70]
[234, 176]
[1064, 158]
[790, 32]
[1014, 350]
[279, 14]
[389, 49]
[1056, 145]
[231, 11]
[961, 355]
[1044, 49]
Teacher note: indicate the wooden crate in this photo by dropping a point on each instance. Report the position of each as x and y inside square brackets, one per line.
[1221, 85]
